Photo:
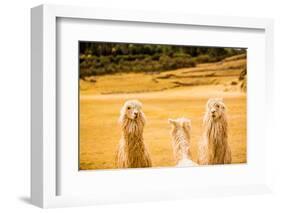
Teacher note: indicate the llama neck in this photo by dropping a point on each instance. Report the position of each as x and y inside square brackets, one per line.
[181, 141]
[215, 131]
[133, 133]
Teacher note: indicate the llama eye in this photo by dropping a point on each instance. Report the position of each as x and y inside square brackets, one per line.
[128, 107]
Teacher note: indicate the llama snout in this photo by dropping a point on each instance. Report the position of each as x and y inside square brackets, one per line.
[136, 114]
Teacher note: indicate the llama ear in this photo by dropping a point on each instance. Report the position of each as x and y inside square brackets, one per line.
[209, 102]
[220, 99]
[188, 123]
[143, 118]
[121, 118]
[171, 121]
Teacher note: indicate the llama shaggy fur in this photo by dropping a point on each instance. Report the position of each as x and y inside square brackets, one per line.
[180, 135]
[214, 148]
[132, 152]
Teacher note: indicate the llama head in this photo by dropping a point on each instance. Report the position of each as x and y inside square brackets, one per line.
[132, 110]
[180, 124]
[215, 109]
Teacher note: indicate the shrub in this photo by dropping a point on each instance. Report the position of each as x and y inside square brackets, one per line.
[156, 62]
[181, 55]
[202, 59]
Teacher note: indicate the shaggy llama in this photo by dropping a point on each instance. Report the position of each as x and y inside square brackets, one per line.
[214, 147]
[180, 135]
[132, 152]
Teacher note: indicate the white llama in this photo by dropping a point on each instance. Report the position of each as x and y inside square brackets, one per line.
[180, 135]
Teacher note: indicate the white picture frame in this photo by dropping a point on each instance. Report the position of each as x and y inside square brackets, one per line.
[45, 171]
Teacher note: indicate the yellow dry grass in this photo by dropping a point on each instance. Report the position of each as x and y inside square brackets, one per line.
[171, 94]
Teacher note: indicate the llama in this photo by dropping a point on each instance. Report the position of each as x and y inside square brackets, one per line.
[180, 135]
[132, 152]
[214, 147]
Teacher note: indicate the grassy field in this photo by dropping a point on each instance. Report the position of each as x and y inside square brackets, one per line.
[170, 94]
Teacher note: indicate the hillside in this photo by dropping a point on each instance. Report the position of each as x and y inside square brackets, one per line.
[224, 73]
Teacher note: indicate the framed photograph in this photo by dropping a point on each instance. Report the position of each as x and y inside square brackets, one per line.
[130, 106]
